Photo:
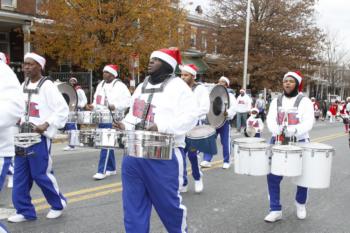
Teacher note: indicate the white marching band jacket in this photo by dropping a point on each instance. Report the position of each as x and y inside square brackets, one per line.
[47, 106]
[256, 123]
[299, 120]
[13, 108]
[173, 110]
[116, 92]
[203, 101]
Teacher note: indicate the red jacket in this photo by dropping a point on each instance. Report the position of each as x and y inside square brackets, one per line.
[333, 109]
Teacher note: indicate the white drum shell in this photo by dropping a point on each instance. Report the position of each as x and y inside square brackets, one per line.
[236, 156]
[82, 138]
[286, 160]
[102, 117]
[253, 159]
[316, 169]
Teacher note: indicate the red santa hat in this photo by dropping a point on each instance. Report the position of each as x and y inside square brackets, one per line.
[189, 68]
[171, 56]
[112, 69]
[225, 79]
[296, 75]
[39, 59]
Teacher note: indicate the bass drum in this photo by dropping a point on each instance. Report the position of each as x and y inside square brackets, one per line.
[69, 94]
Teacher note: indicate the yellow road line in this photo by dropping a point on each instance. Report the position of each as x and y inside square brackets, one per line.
[91, 193]
[82, 191]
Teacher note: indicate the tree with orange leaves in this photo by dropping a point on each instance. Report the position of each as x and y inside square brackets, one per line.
[90, 33]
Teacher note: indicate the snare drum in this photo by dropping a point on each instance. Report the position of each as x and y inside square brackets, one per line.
[85, 117]
[102, 117]
[317, 164]
[72, 117]
[149, 144]
[202, 138]
[240, 141]
[286, 160]
[108, 138]
[82, 138]
[253, 159]
[25, 140]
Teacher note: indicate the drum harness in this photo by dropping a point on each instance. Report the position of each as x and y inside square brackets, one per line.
[151, 92]
[282, 138]
[28, 127]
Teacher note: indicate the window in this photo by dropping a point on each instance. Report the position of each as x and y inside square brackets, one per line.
[9, 4]
[180, 31]
[4, 43]
[193, 37]
[204, 41]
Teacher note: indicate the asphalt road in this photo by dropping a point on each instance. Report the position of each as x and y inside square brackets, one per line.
[229, 202]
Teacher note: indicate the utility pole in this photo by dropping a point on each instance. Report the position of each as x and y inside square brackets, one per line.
[245, 68]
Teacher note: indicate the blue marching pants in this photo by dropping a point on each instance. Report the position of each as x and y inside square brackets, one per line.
[5, 163]
[107, 159]
[70, 126]
[273, 183]
[35, 167]
[224, 132]
[148, 182]
[192, 154]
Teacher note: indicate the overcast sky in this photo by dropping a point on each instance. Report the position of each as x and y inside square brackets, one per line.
[332, 16]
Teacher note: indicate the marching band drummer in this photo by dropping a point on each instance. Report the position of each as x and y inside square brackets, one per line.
[224, 130]
[300, 121]
[255, 122]
[82, 101]
[188, 74]
[47, 111]
[162, 103]
[12, 103]
[110, 94]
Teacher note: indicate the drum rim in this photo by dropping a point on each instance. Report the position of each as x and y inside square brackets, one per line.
[202, 137]
[245, 147]
[148, 133]
[258, 140]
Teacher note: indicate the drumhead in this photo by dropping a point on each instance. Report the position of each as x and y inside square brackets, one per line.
[201, 131]
[316, 146]
[253, 146]
[288, 148]
[239, 141]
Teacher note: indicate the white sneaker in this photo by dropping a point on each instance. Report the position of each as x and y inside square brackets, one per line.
[184, 189]
[54, 214]
[301, 210]
[205, 164]
[273, 216]
[198, 185]
[226, 165]
[99, 176]
[111, 173]
[17, 218]
[68, 148]
[10, 181]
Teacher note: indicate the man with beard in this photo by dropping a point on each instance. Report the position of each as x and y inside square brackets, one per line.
[188, 74]
[299, 122]
[12, 109]
[82, 101]
[47, 111]
[162, 103]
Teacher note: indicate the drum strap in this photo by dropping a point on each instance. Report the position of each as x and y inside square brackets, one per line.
[296, 103]
[41, 82]
[114, 82]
